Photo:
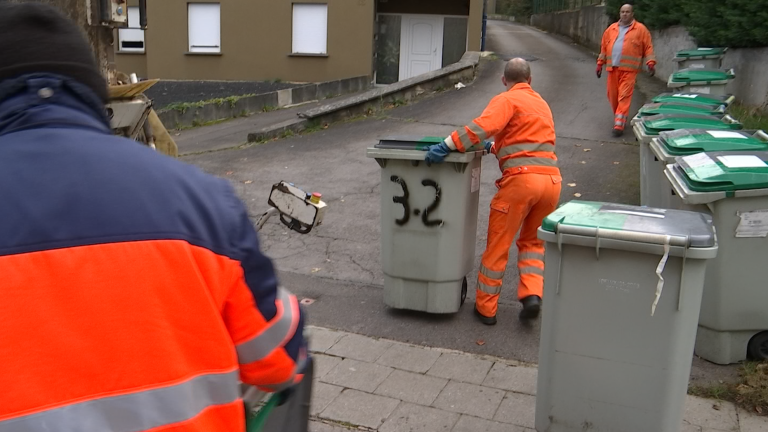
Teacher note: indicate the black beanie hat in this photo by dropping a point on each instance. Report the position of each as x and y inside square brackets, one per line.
[37, 38]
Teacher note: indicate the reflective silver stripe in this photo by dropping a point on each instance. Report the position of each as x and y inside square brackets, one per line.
[488, 289]
[620, 116]
[511, 149]
[531, 270]
[528, 161]
[290, 381]
[280, 330]
[450, 144]
[530, 256]
[601, 57]
[477, 130]
[490, 273]
[138, 411]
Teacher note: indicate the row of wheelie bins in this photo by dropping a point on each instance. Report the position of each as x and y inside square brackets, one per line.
[695, 156]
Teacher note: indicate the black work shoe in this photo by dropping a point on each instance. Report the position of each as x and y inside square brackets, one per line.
[484, 319]
[618, 132]
[531, 307]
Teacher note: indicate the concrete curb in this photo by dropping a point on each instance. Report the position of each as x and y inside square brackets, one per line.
[228, 108]
[375, 99]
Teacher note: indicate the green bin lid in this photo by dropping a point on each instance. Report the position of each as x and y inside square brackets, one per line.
[681, 108]
[691, 141]
[718, 171]
[702, 53]
[667, 122]
[694, 99]
[701, 75]
[587, 214]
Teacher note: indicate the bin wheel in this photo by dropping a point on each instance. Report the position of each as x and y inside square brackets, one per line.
[463, 290]
[758, 347]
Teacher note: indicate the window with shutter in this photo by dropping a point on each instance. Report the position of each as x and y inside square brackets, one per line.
[310, 28]
[204, 27]
[132, 38]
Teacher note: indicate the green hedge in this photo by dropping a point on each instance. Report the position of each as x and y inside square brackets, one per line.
[726, 23]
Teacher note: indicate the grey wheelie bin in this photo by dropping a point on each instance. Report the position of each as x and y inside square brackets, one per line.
[700, 58]
[670, 145]
[651, 127]
[695, 98]
[622, 294]
[428, 224]
[734, 311]
[707, 81]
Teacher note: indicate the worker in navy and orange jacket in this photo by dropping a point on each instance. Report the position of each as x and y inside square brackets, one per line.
[528, 191]
[134, 294]
[624, 46]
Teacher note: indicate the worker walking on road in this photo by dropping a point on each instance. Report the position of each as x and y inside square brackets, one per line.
[528, 191]
[624, 46]
[134, 294]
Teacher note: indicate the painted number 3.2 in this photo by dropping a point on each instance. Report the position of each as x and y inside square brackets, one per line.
[403, 200]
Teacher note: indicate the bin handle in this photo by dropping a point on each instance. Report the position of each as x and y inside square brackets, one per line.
[659, 274]
[682, 281]
[761, 135]
[638, 237]
[729, 119]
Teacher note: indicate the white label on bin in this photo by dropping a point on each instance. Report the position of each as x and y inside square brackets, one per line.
[690, 96]
[726, 134]
[699, 160]
[475, 180]
[753, 224]
[696, 66]
[704, 90]
[742, 161]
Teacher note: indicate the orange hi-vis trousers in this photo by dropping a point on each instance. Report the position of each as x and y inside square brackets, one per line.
[521, 204]
[621, 85]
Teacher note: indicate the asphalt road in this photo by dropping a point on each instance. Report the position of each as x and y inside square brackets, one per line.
[337, 265]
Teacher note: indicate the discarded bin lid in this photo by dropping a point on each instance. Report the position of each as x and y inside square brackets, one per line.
[585, 217]
[681, 108]
[695, 98]
[702, 76]
[719, 171]
[668, 122]
[701, 53]
[691, 141]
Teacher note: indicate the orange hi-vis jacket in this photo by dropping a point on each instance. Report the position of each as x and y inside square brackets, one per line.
[524, 131]
[637, 46]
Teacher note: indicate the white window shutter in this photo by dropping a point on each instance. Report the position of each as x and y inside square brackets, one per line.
[310, 28]
[132, 38]
[204, 27]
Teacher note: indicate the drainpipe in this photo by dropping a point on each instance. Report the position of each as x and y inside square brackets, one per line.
[485, 22]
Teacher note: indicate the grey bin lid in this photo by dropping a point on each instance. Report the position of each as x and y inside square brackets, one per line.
[631, 223]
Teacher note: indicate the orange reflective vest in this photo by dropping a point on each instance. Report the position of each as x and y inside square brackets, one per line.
[637, 46]
[524, 131]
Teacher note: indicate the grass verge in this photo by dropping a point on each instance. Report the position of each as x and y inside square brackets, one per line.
[752, 118]
[749, 393]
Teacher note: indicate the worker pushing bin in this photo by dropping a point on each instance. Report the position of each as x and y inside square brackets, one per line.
[707, 81]
[700, 58]
[734, 318]
[670, 145]
[428, 224]
[623, 288]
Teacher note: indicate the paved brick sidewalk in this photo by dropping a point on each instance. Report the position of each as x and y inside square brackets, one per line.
[375, 384]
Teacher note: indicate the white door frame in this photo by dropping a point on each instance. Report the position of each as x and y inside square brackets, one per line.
[406, 39]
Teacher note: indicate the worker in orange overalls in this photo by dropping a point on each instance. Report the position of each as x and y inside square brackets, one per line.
[528, 191]
[625, 44]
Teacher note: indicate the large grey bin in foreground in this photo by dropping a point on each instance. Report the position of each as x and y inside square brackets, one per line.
[428, 225]
[605, 363]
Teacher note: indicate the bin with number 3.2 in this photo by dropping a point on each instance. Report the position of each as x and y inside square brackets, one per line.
[428, 224]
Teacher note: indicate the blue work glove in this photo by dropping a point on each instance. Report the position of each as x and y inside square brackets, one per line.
[437, 153]
[488, 146]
